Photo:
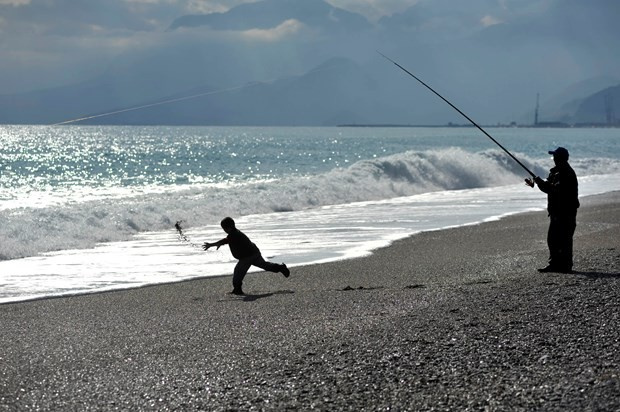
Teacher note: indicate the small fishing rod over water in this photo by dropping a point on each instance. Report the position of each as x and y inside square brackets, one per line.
[463, 114]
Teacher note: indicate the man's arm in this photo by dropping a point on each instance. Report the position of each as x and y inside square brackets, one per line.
[219, 243]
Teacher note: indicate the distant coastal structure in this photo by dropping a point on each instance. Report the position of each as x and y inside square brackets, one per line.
[538, 123]
[606, 114]
[609, 110]
[610, 120]
[536, 110]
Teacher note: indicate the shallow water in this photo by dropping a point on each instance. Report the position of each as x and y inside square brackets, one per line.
[103, 217]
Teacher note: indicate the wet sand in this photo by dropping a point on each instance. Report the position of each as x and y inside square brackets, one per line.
[449, 320]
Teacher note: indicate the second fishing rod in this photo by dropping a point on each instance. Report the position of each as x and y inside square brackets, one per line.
[462, 114]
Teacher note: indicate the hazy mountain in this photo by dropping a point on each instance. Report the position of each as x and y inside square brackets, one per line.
[117, 89]
[335, 92]
[600, 108]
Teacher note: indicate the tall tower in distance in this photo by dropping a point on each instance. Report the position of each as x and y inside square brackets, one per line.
[609, 109]
[536, 110]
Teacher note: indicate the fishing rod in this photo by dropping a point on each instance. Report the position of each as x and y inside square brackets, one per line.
[463, 114]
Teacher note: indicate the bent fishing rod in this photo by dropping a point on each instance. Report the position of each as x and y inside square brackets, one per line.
[463, 114]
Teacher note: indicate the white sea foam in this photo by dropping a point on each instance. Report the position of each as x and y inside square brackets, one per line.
[313, 235]
[117, 215]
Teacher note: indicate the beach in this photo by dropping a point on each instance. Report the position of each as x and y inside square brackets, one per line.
[457, 319]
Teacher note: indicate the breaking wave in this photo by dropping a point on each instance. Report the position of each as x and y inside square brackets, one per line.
[83, 224]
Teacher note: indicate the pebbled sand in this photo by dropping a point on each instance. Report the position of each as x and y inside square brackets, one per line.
[450, 320]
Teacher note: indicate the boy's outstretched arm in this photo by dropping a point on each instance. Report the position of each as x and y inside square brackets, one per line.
[219, 243]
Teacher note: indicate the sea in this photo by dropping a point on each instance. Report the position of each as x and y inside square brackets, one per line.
[86, 209]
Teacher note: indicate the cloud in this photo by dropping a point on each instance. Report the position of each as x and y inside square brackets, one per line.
[490, 21]
[14, 3]
[374, 9]
[214, 6]
[287, 28]
[148, 1]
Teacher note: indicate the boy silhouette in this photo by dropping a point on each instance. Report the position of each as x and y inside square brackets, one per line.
[246, 252]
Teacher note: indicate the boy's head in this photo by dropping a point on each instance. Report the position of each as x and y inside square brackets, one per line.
[228, 224]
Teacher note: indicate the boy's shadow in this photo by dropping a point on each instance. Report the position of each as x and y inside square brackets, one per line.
[598, 275]
[252, 298]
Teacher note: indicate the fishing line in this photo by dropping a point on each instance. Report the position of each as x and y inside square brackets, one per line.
[182, 236]
[463, 114]
[179, 99]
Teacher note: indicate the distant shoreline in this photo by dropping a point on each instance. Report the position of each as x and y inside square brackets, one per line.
[547, 125]
[542, 125]
[508, 126]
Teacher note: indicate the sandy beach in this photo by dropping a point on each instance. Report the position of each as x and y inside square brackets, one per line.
[458, 319]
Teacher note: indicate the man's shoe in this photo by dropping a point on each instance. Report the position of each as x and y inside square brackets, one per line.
[237, 291]
[285, 271]
[548, 269]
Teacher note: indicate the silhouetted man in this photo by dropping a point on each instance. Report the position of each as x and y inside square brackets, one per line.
[562, 205]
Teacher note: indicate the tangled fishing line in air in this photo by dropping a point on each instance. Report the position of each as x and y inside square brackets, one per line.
[182, 236]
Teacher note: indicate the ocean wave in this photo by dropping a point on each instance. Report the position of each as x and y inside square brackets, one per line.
[83, 224]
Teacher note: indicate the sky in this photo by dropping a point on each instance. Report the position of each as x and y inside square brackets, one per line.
[53, 42]
[45, 44]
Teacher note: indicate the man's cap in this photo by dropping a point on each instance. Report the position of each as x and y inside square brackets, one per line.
[560, 152]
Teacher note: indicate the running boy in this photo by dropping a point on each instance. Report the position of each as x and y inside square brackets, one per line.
[247, 252]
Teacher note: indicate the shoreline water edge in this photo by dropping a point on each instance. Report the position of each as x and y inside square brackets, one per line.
[454, 319]
[92, 208]
[319, 235]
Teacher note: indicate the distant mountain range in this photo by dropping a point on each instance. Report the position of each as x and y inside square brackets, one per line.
[325, 70]
[602, 107]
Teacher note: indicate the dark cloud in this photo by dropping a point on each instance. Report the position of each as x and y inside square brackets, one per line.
[70, 17]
